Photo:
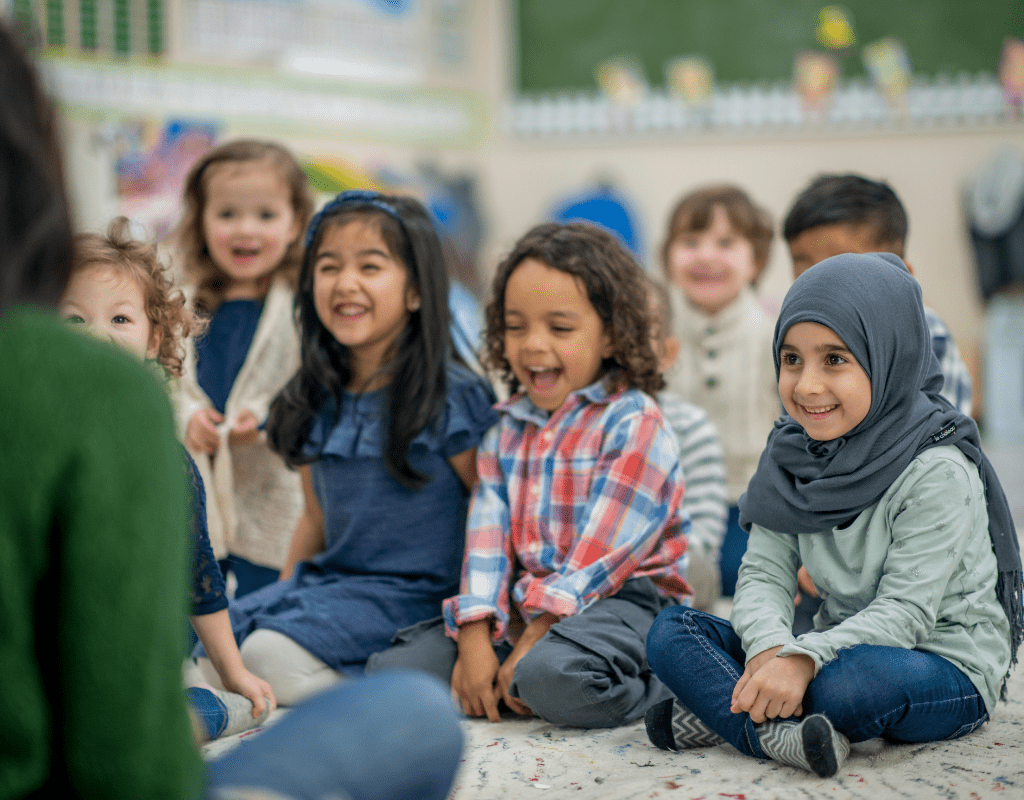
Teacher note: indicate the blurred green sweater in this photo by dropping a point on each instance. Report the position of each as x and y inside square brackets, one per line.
[94, 558]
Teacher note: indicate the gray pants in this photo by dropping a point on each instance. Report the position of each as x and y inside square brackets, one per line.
[588, 671]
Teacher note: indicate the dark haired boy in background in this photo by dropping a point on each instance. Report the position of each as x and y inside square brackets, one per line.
[853, 214]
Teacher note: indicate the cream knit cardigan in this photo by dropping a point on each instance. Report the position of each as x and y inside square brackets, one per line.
[725, 366]
[253, 499]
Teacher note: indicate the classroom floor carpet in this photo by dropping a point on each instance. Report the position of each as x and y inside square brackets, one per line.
[528, 759]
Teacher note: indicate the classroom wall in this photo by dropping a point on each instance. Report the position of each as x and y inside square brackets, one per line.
[523, 178]
[520, 178]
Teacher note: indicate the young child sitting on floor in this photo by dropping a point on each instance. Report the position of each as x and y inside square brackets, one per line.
[879, 487]
[382, 423]
[576, 536]
[119, 291]
[700, 456]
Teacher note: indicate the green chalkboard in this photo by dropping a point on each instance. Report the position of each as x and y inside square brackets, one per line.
[559, 42]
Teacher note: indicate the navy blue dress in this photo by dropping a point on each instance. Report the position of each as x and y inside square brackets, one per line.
[208, 592]
[392, 554]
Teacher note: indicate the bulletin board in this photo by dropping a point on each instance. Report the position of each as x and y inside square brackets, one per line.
[560, 42]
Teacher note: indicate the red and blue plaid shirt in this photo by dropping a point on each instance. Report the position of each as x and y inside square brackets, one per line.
[582, 501]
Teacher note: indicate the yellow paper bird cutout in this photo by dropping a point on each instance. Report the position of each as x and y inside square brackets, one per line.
[835, 30]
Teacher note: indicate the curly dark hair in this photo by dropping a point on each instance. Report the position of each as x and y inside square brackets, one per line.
[693, 214]
[168, 312]
[209, 279]
[616, 287]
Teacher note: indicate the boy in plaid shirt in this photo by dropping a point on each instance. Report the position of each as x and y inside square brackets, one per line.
[576, 536]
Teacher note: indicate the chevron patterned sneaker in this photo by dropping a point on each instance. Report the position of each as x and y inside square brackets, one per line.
[811, 744]
[672, 726]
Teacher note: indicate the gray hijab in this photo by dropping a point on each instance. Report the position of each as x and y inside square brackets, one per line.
[807, 486]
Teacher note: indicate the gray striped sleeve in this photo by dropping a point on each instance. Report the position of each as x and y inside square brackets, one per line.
[700, 455]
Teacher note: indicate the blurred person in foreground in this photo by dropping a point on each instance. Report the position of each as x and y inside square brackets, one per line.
[95, 551]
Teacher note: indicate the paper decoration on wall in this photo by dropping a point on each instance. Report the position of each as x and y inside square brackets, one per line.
[151, 159]
[835, 28]
[1011, 73]
[622, 80]
[332, 175]
[607, 207]
[815, 76]
[692, 78]
[888, 64]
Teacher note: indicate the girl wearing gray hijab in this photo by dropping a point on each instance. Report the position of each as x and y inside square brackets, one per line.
[879, 487]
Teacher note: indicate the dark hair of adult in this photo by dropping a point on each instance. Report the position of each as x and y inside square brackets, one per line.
[35, 227]
[850, 200]
[615, 286]
[694, 212]
[418, 387]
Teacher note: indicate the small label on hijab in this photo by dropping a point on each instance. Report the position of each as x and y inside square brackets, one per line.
[938, 437]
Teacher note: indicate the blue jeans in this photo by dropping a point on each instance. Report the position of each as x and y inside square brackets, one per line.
[395, 734]
[867, 691]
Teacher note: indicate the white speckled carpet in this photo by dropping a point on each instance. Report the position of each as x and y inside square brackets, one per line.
[527, 758]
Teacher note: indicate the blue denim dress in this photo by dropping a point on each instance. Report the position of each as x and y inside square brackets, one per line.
[392, 554]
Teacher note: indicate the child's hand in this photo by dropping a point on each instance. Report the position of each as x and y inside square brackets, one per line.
[475, 671]
[803, 580]
[753, 666]
[775, 690]
[257, 690]
[246, 429]
[505, 675]
[201, 435]
[531, 634]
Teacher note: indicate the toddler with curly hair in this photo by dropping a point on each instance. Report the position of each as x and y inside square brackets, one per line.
[119, 291]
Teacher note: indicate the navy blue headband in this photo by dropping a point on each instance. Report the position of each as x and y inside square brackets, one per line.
[352, 197]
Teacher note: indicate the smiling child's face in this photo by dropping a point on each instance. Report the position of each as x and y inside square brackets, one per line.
[713, 265]
[555, 341]
[822, 386]
[248, 219]
[362, 292]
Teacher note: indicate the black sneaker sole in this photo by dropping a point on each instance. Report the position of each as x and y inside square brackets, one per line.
[658, 721]
[819, 748]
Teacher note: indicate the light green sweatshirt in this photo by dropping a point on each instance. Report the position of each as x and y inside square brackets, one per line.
[916, 570]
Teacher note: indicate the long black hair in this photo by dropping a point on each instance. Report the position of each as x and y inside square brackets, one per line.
[417, 389]
[35, 227]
